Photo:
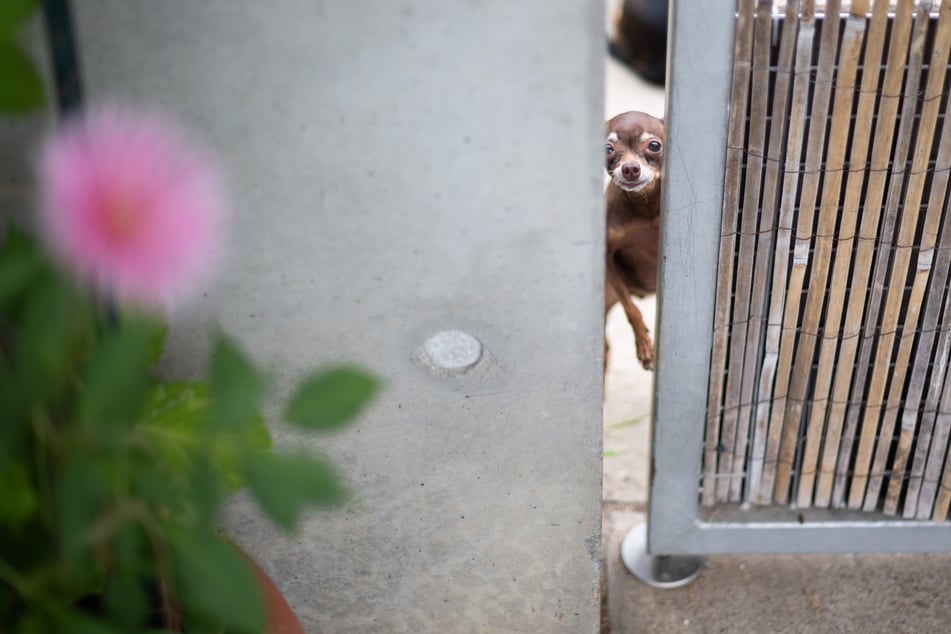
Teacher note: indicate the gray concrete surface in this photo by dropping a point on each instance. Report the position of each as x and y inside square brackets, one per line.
[806, 593]
[401, 169]
[736, 594]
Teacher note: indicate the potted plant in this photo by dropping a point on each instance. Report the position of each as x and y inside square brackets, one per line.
[111, 475]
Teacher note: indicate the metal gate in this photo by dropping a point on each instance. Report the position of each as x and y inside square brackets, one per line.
[803, 402]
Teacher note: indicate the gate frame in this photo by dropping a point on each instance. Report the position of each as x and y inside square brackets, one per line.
[700, 56]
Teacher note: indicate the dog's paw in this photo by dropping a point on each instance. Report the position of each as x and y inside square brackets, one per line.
[645, 354]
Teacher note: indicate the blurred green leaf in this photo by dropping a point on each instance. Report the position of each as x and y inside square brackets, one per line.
[33, 623]
[286, 484]
[129, 543]
[42, 342]
[126, 601]
[16, 409]
[236, 387]
[117, 377]
[20, 264]
[256, 435]
[78, 623]
[206, 490]
[81, 493]
[160, 486]
[171, 422]
[158, 343]
[212, 579]
[21, 89]
[228, 454]
[17, 495]
[171, 418]
[49, 330]
[13, 12]
[331, 398]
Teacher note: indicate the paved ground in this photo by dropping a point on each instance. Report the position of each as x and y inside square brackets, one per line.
[818, 593]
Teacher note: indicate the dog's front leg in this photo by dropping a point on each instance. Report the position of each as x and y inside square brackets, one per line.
[645, 347]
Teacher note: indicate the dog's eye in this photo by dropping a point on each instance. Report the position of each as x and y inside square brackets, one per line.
[653, 146]
[609, 148]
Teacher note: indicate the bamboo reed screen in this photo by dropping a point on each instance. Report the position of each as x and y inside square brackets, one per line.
[829, 385]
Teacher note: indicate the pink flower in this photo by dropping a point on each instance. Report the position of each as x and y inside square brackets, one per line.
[131, 206]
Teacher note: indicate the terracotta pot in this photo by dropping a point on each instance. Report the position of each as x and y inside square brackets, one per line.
[280, 618]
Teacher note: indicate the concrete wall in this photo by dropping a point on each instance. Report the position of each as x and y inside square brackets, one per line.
[400, 168]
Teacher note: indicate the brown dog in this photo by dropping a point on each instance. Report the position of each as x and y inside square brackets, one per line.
[635, 148]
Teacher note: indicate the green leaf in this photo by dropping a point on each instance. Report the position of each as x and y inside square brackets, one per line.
[77, 623]
[13, 12]
[34, 622]
[43, 333]
[126, 601]
[213, 580]
[81, 495]
[228, 454]
[206, 491]
[171, 419]
[21, 89]
[157, 484]
[116, 380]
[285, 485]
[17, 495]
[15, 428]
[331, 398]
[20, 264]
[158, 343]
[129, 545]
[236, 388]
[46, 329]
[172, 426]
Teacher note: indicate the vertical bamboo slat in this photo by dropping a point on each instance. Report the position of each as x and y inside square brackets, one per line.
[807, 210]
[731, 198]
[943, 499]
[896, 286]
[777, 304]
[764, 270]
[849, 53]
[944, 496]
[926, 468]
[845, 374]
[928, 505]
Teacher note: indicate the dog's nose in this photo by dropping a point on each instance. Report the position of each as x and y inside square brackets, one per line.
[631, 171]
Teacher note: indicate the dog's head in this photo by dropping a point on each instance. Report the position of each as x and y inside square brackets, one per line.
[635, 149]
